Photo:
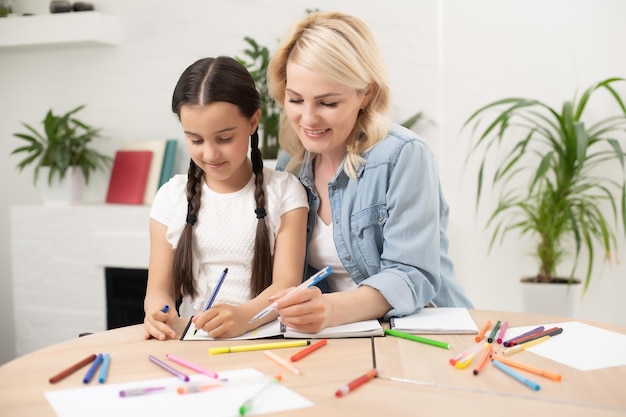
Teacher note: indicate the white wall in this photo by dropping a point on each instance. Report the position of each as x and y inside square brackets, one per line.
[444, 57]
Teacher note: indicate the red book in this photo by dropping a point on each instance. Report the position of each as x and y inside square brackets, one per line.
[129, 176]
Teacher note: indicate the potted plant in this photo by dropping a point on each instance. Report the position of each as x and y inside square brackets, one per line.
[62, 151]
[550, 182]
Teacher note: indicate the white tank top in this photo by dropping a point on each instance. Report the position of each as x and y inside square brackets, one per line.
[322, 252]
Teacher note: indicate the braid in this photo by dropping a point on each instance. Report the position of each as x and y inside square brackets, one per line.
[262, 259]
[183, 257]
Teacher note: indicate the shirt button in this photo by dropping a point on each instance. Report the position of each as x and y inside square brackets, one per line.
[334, 187]
[348, 258]
[380, 219]
[337, 221]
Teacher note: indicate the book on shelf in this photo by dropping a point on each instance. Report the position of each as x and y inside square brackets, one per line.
[274, 328]
[436, 320]
[129, 175]
[169, 158]
[157, 147]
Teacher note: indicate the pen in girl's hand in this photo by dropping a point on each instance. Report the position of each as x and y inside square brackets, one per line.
[211, 300]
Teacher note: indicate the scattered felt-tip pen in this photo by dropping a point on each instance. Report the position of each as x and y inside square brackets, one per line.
[249, 403]
[67, 372]
[516, 375]
[258, 346]
[92, 370]
[351, 386]
[307, 350]
[416, 338]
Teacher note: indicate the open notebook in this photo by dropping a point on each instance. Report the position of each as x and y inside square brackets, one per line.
[439, 320]
[365, 328]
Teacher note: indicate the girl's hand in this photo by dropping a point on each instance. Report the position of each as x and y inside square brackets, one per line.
[306, 310]
[155, 324]
[223, 320]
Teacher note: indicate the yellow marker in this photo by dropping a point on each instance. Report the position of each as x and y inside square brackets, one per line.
[523, 346]
[260, 346]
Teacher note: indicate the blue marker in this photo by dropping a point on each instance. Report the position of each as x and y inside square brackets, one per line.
[314, 279]
[216, 290]
[105, 368]
[214, 293]
[92, 370]
[165, 309]
[521, 378]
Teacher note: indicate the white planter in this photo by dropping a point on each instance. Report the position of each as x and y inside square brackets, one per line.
[21, 7]
[551, 299]
[68, 191]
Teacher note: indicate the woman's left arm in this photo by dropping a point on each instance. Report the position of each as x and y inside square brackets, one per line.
[410, 260]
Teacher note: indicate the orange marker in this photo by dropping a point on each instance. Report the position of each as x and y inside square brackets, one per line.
[546, 374]
[304, 352]
[282, 362]
[482, 332]
[483, 359]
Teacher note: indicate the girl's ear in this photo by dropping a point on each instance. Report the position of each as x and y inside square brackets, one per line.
[254, 121]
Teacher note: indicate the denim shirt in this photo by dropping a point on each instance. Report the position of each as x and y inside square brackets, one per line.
[390, 224]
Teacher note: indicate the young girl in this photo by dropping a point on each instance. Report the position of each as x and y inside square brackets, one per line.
[227, 212]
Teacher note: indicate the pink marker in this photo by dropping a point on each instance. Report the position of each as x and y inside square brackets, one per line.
[191, 366]
[505, 325]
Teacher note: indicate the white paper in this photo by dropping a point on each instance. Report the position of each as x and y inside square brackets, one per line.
[104, 400]
[364, 328]
[440, 320]
[580, 346]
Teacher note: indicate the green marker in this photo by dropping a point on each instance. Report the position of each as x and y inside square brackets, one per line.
[419, 339]
[493, 333]
[247, 405]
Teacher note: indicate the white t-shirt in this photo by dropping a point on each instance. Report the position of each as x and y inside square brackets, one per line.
[223, 236]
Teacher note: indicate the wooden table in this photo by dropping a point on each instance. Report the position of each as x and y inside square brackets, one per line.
[24, 380]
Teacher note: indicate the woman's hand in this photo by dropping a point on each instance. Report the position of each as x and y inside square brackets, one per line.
[223, 320]
[155, 324]
[306, 310]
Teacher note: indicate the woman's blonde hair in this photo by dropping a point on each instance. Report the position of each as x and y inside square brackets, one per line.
[342, 49]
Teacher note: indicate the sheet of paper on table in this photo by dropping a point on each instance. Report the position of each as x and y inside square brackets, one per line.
[580, 346]
[104, 400]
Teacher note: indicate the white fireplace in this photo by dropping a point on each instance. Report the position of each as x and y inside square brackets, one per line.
[58, 258]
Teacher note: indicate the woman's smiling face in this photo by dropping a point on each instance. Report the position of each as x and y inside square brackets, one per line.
[321, 112]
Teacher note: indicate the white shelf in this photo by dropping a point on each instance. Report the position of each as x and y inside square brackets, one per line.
[59, 29]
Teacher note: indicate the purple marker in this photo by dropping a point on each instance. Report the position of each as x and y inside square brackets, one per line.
[508, 342]
[133, 392]
[169, 369]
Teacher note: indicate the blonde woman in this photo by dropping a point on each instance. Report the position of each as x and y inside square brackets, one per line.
[377, 213]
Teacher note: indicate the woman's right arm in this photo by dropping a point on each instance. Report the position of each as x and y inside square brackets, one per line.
[160, 289]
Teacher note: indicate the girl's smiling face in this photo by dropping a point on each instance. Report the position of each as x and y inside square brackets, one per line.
[217, 138]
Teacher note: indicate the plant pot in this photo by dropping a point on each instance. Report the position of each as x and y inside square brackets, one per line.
[66, 192]
[560, 298]
[31, 7]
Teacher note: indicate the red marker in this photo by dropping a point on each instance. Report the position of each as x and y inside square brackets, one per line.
[356, 383]
[304, 352]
